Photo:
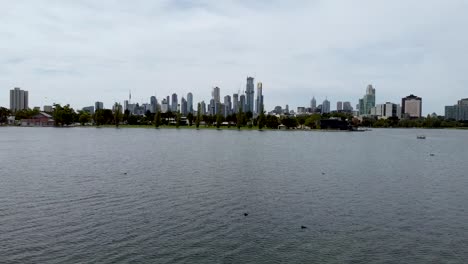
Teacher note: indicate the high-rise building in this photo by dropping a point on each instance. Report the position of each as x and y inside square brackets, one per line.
[98, 105]
[411, 106]
[183, 106]
[19, 99]
[386, 110]
[339, 106]
[326, 107]
[367, 102]
[154, 104]
[48, 108]
[313, 104]
[89, 109]
[212, 107]
[278, 110]
[190, 102]
[227, 105]
[259, 103]
[458, 112]
[347, 107]
[174, 102]
[164, 106]
[286, 109]
[242, 103]
[216, 94]
[203, 107]
[168, 100]
[235, 103]
[249, 95]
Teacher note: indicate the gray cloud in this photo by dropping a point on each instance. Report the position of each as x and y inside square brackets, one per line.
[79, 52]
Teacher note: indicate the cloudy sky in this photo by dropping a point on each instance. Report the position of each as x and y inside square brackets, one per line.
[79, 52]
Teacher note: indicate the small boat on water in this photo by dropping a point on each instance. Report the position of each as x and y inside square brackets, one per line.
[421, 137]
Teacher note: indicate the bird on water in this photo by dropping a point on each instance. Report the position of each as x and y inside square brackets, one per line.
[303, 227]
[246, 214]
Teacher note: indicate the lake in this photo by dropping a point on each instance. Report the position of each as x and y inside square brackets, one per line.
[105, 195]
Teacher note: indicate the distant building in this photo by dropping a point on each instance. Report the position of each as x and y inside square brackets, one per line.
[411, 106]
[227, 105]
[259, 102]
[242, 103]
[40, 120]
[19, 99]
[286, 109]
[98, 105]
[154, 104]
[458, 112]
[278, 110]
[174, 103]
[313, 104]
[367, 102]
[386, 110]
[235, 103]
[48, 108]
[339, 106]
[89, 109]
[164, 106]
[190, 102]
[326, 107]
[301, 110]
[347, 107]
[249, 94]
[203, 107]
[183, 107]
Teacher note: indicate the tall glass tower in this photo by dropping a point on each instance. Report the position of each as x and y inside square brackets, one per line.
[249, 95]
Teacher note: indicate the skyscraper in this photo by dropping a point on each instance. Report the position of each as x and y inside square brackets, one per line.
[367, 102]
[203, 107]
[227, 105]
[242, 104]
[259, 103]
[216, 96]
[183, 106]
[190, 102]
[164, 106]
[99, 105]
[313, 104]
[347, 107]
[339, 106]
[411, 106]
[249, 94]
[168, 100]
[19, 99]
[458, 112]
[235, 103]
[174, 103]
[154, 104]
[326, 107]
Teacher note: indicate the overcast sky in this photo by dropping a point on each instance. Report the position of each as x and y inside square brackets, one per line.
[79, 52]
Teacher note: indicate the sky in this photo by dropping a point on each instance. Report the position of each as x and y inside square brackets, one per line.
[78, 52]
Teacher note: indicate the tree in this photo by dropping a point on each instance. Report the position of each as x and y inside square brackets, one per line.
[261, 120]
[178, 120]
[84, 117]
[197, 121]
[272, 122]
[4, 114]
[313, 121]
[63, 115]
[117, 114]
[301, 120]
[240, 117]
[190, 118]
[289, 122]
[99, 117]
[157, 119]
[219, 120]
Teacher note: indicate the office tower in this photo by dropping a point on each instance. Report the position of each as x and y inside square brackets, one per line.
[154, 104]
[48, 108]
[89, 109]
[235, 103]
[286, 109]
[98, 105]
[190, 103]
[313, 104]
[216, 94]
[386, 110]
[174, 103]
[164, 106]
[203, 107]
[259, 102]
[227, 105]
[458, 112]
[326, 107]
[411, 106]
[347, 107]
[367, 102]
[249, 95]
[242, 104]
[278, 110]
[19, 99]
[212, 107]
[339, 106]
[183, 107]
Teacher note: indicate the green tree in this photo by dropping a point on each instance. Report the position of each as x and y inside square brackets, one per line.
[261, 119]
[219, 120]
[178, 117]
[272, 122]
[63, 116]
[84, 117]
[240, 117]
[4, 114]
[99, 118]
[190, 118]
[289, 122]
[157, 119]
[117, 114]
[197, 121]
[313, 121]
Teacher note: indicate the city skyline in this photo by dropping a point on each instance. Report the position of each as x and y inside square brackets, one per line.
[298, 50]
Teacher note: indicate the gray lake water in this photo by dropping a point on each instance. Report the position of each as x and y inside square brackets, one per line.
[87, 195]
